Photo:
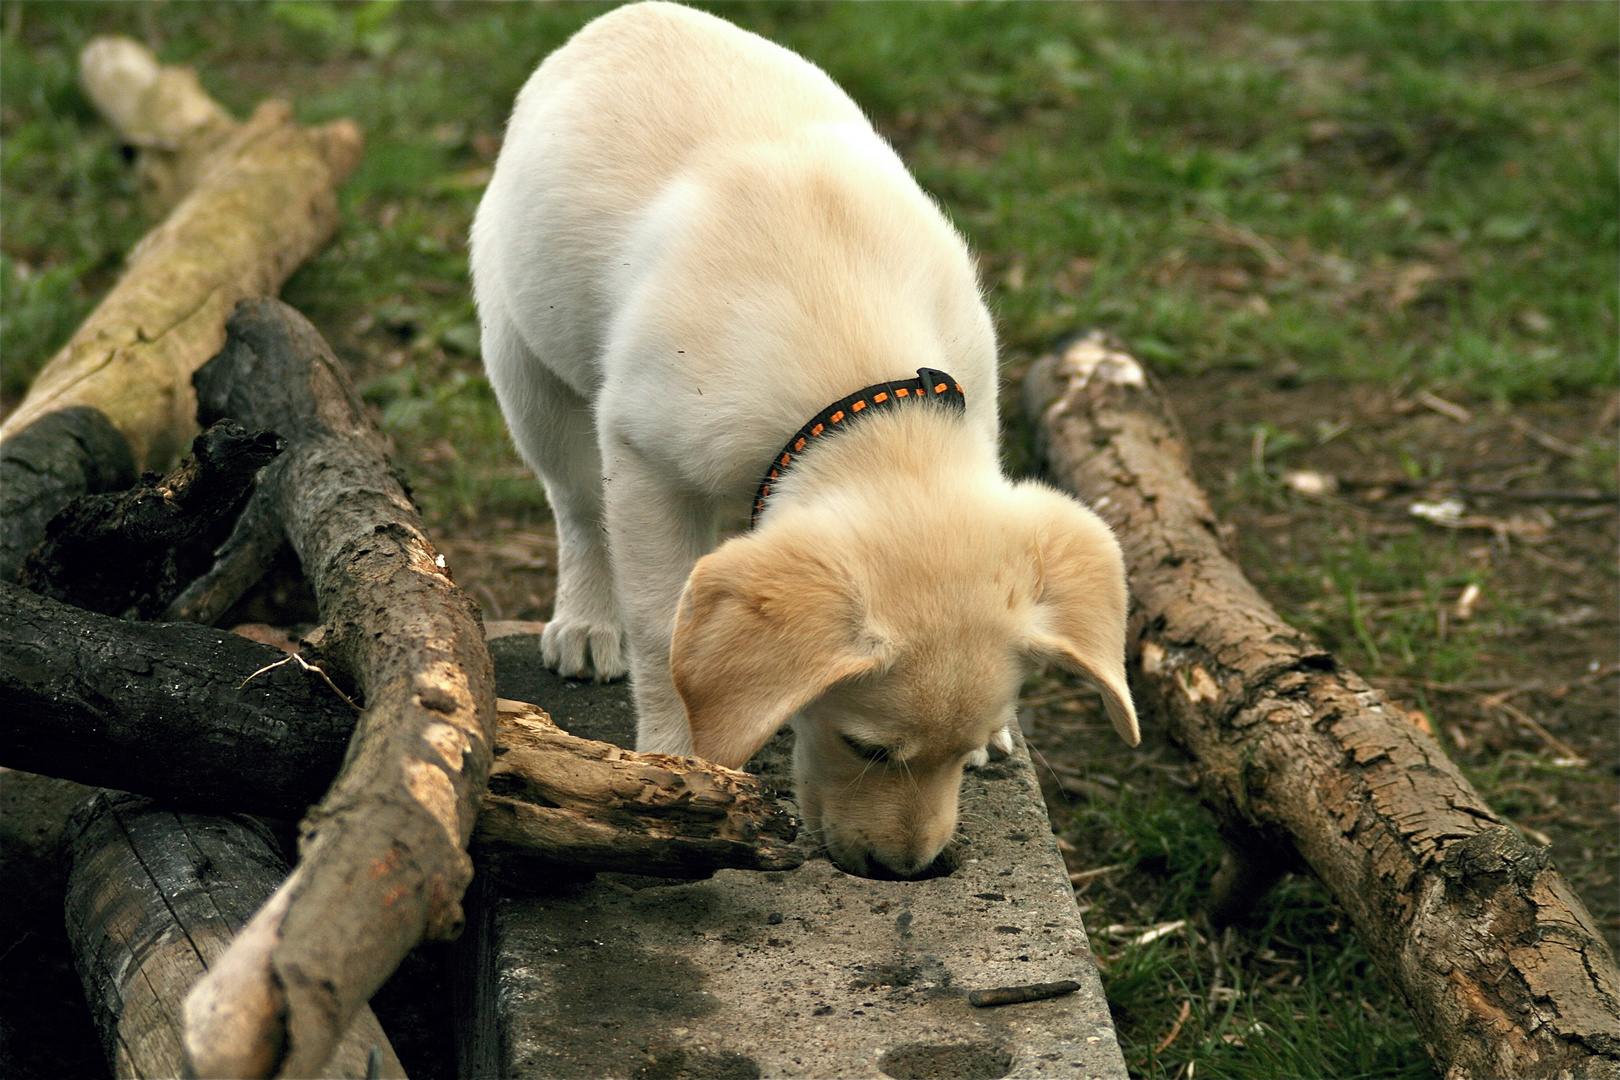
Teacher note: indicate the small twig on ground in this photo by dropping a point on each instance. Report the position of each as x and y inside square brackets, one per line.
[1238, 236]
[1537, 496]
[1498, 700]
[1541, 438]
[1175, 1029]
[1430, 400]
[1567, 754]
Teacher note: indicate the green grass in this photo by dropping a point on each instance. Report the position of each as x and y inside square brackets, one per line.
[1407, 195]
[1289, 993]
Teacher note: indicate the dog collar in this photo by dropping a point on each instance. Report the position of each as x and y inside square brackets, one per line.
[929, 385]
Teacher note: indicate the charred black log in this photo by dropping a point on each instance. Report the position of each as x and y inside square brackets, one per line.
[48, 464]
[166, 709]
[130, 553]
[154, 897]
[210, 721]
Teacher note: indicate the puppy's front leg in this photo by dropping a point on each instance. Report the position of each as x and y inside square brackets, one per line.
[655, 533]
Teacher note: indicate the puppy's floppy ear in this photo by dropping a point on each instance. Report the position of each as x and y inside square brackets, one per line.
[1079, 620]
[759, 634]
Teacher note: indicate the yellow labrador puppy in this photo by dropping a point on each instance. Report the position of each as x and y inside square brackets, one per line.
[705, 282]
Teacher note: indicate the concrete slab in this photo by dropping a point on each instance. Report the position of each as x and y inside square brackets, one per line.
[804, 973]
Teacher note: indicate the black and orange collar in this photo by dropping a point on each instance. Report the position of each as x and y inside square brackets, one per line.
[929, 385]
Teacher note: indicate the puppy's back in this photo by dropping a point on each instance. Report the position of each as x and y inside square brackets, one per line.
[598, 130]
[652, 83]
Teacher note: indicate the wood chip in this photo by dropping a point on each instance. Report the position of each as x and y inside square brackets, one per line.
[1444, 407]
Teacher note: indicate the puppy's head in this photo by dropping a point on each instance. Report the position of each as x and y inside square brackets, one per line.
[898, 646]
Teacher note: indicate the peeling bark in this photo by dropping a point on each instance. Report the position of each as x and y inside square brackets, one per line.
[382, 858]
[259, 198]
[1502, 966]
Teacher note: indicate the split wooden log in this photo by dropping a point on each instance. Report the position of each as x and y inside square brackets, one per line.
[258, 198]
[154, 896]
[607, 808]
[1502, 966]
[382, 858]
[170, 710]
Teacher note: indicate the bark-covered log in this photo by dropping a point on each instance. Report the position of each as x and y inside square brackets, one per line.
[382, 859]
[154, 896]
[160, 709]
[45, 466]
[263, 198]
[129, 553]
[1504, 970]
[163, 113]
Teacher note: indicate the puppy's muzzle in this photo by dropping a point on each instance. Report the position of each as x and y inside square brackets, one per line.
[919, 867]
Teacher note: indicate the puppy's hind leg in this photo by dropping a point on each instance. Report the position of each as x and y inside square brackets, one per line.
[556, 434]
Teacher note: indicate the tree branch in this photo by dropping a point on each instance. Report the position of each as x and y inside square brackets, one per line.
[382, 859]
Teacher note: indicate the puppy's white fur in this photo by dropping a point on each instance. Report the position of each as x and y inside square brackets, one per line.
[692, 242]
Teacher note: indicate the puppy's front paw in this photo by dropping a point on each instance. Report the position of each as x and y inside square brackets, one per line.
[580, 650]
[1000, 745]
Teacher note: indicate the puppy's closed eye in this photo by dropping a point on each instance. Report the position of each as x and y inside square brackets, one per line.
[867, 751]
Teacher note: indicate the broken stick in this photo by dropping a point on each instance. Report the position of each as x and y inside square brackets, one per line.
[382, 858]
[1502, 966]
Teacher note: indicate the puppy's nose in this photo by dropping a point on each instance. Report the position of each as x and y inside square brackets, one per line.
[906, 864]
[914, 866]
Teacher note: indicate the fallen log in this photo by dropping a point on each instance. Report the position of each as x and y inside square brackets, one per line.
[209, 721]
[163, 709]
[1299, 759]
[382, 857]
[253, 200]
[154, 896]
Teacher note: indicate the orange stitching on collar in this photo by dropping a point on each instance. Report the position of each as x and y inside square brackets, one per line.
[945, 390]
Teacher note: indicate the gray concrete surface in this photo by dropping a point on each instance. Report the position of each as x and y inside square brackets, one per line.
[802, 973]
